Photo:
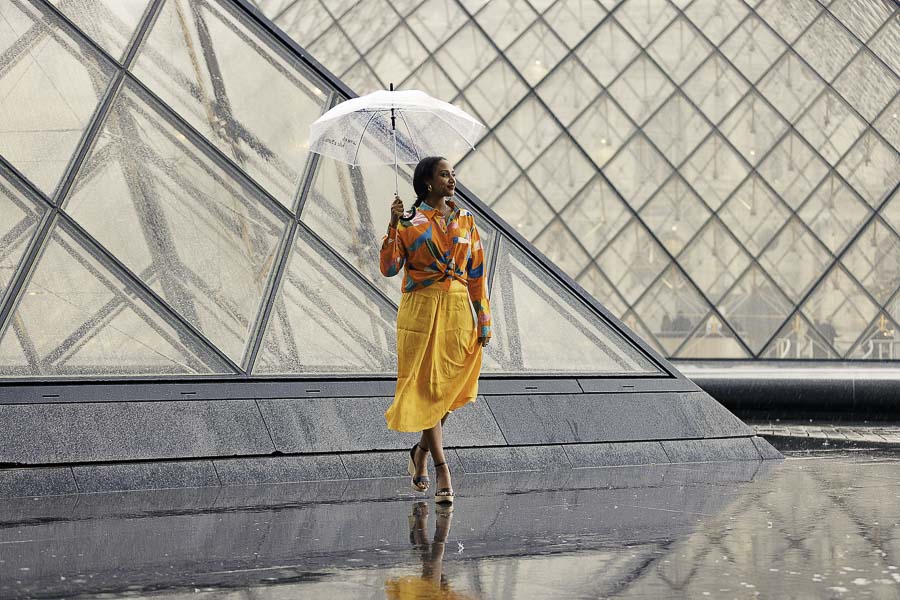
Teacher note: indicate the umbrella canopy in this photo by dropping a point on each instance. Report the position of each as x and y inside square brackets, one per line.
[392, 127]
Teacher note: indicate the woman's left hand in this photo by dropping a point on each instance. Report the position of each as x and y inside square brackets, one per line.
[483, 341]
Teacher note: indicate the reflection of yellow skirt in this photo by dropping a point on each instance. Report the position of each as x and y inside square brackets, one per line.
[438, 357]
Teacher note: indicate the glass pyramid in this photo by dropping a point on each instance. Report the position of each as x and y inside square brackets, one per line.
[161, 216]
[780, 117]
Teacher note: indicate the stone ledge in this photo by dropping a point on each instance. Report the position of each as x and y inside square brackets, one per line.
[309, 468]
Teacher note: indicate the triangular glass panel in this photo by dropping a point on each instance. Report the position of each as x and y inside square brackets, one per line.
[714, 260]
[502, 20]
[872, 167]
[51, 82]
[867, 84]
[597, 214]
[19, 218]
[888, 124]
[675, 214]
[110, 23]
[713, 339]
[326, 319]
[755, 308]
[716, 18]
[644, 20]
[834, 212]
[680, 49]
[574, 19]
[827, 46]
[797, 339]
[607, 51]
[839, 309]
[525, 295]
[536, 52]
[523, 207]
[14, 361]
[593, 280]
[349, 208]
[863, 17]
[880, 341]
[753, 47]
[206, 61]
[795, 259]
[790, 17]
[76, 318]
[890, 210]
[671, 309]
[561, 247]
[754, 214]
[874, 260]
[181, 221]
[633, 260]
[885, 44]
[633, 323]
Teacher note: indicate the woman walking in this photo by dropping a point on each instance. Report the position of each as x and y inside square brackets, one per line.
[439, 345]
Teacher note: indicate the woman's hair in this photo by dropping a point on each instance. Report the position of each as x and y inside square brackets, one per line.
[424, 170]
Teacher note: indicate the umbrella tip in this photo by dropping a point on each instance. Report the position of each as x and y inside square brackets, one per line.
[392, 86]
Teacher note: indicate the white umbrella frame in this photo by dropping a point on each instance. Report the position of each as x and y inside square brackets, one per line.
[433, 127]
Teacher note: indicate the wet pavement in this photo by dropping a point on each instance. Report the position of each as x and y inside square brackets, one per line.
[812, 434]
[805, 527]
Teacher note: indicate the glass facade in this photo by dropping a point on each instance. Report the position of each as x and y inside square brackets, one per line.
[721, 174]
[161, 214]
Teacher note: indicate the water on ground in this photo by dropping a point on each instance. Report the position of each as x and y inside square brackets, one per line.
[812, 526]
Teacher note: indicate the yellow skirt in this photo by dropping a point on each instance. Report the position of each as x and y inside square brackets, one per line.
[438, 357]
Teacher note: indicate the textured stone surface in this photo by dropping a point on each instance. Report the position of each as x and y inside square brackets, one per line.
[590, 418]
[357, 424]
[145, 476]
[766, 450]
[473, 425]
[711, 450]
[616, 454]
[527, 458]
[280, 469]
[48, 481]
[58, 433]
[330, 424]
[552, 419]
[709, 417]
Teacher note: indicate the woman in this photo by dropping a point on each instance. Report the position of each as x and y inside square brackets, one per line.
[438, 344]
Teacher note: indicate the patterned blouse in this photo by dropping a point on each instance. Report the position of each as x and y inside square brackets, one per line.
[436, 250]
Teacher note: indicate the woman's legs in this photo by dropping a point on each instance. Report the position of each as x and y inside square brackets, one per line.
[424, 442]
[434, 440]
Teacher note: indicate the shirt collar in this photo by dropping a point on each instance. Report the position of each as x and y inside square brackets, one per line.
[423, 206]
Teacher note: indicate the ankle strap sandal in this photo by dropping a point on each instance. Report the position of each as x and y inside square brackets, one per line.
[443, 495]
[419, 483]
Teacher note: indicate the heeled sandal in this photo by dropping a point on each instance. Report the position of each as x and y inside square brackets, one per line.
[411, 468]
[443, 495]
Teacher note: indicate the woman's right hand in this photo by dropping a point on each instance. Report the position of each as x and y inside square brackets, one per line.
[396, 210]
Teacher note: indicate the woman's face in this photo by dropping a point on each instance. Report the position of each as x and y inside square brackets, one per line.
[443, 183]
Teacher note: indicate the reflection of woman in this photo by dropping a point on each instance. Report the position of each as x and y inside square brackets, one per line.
[432, 585]
[438, 345]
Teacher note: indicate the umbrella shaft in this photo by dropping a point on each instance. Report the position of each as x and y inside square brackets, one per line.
[396, 167]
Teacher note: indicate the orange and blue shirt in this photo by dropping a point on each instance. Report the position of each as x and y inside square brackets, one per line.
[437, 250]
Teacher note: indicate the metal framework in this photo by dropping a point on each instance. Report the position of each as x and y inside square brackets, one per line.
[54, 215]
[680, 10]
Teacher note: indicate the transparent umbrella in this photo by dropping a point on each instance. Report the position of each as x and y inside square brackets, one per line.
[390, 126]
